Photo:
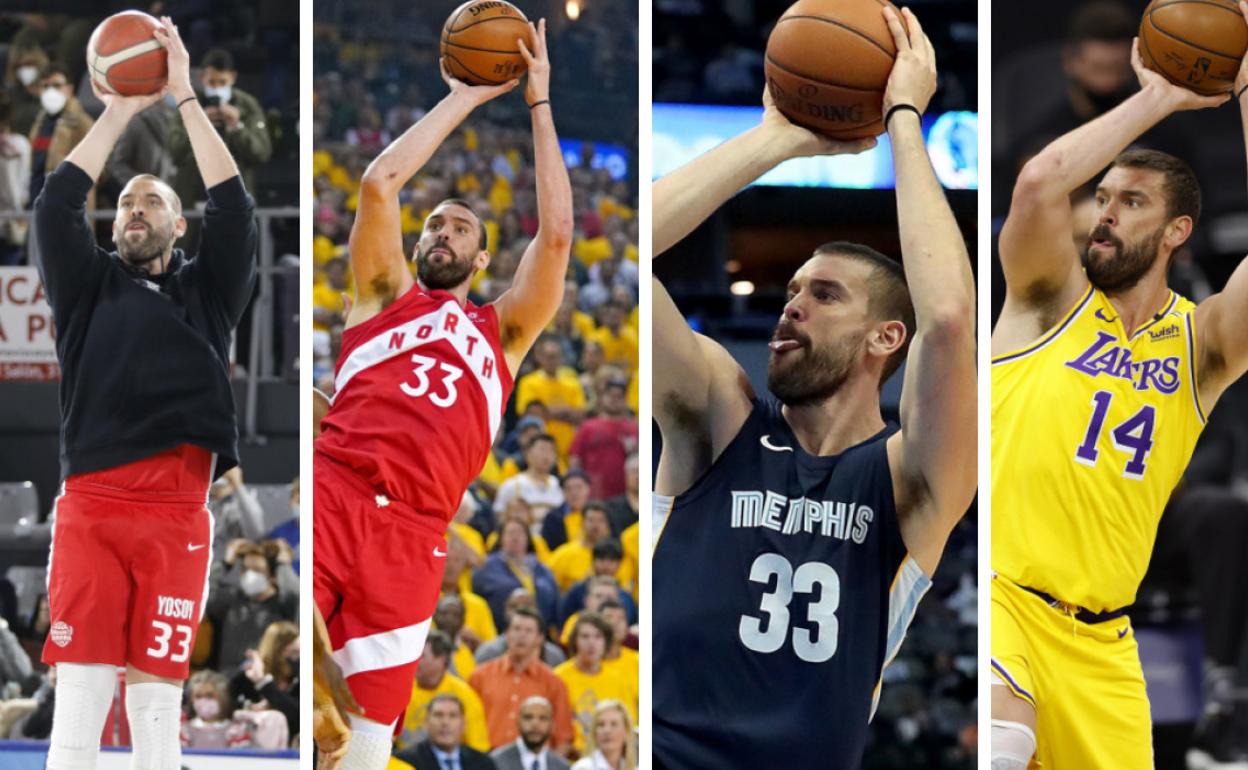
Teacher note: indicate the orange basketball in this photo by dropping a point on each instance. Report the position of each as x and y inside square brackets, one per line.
[1197, 44]
[827, 64]
[124, 57]
[479, 42]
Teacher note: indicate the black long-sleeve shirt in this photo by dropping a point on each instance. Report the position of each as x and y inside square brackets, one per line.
[144, 359]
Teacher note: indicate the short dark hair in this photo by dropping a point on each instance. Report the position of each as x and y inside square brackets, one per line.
[1104, 21]
[439, 644]
[1181, 187]
[218, 59]
[590, 618]
[447, 697]
[608, 548]
[888, 295]
[482, 241]
[56, 68]
[527, 612]
[539, 437]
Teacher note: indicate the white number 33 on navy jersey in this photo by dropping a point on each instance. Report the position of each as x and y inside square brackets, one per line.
[447, 389]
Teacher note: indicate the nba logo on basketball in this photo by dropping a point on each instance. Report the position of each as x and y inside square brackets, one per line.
[61, 633]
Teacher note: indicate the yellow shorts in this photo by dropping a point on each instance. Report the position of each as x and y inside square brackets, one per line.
[1084, 680]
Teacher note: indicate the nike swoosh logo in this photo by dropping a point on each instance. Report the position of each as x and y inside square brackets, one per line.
[772, 446]
[1102, 317]
[1123, 632]
[439, 552]
[190, 547]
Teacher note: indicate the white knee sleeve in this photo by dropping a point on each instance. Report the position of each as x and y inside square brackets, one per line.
[1013, 744]
[83, 695]
[155, 712]
[369, 748]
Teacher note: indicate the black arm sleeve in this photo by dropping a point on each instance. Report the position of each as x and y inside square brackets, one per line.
[69, 260]
[287, 704]
[227, 251]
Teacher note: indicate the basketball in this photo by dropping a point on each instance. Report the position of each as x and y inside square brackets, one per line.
[479, 42]
[827, 63]
[124, 57]
[1197, 44]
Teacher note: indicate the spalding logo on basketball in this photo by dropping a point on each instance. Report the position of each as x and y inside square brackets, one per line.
[124, 57]
[61, 633]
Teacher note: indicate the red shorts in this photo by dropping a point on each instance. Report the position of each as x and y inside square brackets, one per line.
[128, 570]
[376, 578]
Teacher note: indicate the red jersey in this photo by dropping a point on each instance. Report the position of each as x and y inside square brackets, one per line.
[419, 394]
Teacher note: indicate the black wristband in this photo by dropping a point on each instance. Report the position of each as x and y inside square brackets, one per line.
[889, 115]
[1240, 95]
[535, 105]
[184, 101]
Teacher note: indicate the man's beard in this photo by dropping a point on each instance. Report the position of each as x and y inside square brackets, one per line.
[445, 275]
[818, 376]
[153, 245]
[1124, 270]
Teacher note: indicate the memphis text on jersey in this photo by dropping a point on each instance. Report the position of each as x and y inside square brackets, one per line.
[800, 515]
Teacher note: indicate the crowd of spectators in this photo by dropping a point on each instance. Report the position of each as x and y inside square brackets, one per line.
[243, 691]
[534, 648]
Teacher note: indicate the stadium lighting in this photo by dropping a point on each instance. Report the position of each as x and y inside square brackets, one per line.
[573, 9]
[742, 288]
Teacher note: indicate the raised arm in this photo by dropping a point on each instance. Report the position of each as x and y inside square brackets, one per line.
[211, 155]
[686, 197]
[1041, 264]
[376, 243]
[935, 462]
[701, 396]
[1221, 323]
[526, 308]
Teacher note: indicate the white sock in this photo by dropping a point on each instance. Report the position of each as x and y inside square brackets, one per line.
[155, 712]
[83, 695]
[1013, 744]
[369, 748]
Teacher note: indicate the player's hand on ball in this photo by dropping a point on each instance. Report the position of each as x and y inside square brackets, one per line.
[913, 79]
[477, 95]
[129, 106]
[537, 85]
[801, 142]
[179, 60]
[1177, 98]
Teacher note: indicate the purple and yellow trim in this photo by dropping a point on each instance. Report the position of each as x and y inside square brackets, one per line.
[1190, 322]
[1174, 298]
[1011, 683]
[1052, 334]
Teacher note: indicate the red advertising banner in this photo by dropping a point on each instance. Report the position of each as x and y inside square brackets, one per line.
[27, 339]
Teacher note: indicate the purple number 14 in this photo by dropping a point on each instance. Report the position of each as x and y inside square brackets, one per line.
[1134, 435]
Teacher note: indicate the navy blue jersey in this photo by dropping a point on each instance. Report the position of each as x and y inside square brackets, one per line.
[782, 588]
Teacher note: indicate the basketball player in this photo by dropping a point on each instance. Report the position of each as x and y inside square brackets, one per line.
[421, 385]
[801, 531]
[147, 421]
[1102, 378]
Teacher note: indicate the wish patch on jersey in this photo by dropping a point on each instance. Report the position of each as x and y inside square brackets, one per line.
[1092, 427]
[782, 588]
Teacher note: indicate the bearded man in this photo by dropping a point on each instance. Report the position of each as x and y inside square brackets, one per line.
[1102, 378]
[147, 422]
[801, 531]
[419, 393]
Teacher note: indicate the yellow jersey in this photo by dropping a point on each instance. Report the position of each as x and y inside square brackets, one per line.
[1092, 427]
[476, 734]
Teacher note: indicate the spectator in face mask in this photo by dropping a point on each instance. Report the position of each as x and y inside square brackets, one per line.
[250, 590]
[236, 115]
[28, 63]
[60, 125]
[210, 723]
